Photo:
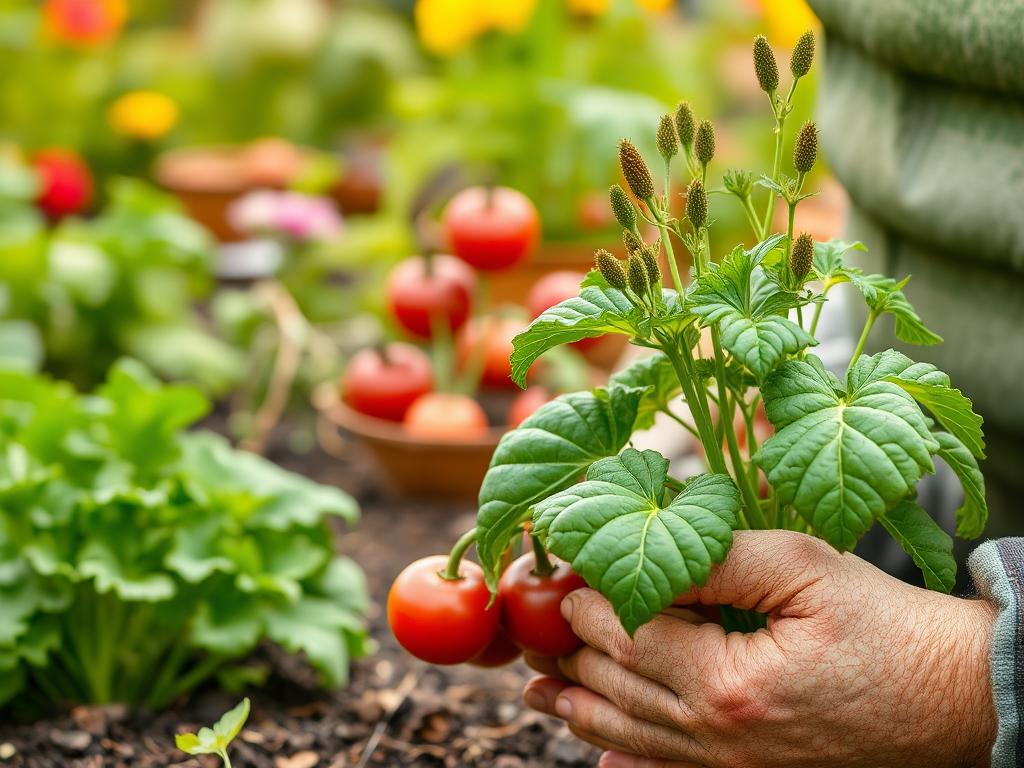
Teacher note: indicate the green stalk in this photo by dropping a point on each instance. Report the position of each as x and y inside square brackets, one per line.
[872, 316]
[748, 209]
[542, 565]
[666, 243]
[754, 513]
[776, 169]
[817, 309]
[465, 541]
[683, 366]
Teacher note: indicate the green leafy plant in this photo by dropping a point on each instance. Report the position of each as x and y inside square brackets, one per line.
[138, 560]
[847, 451]
[124, 282]
[216, 740]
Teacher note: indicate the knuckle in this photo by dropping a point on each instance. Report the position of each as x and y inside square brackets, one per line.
[735, 699]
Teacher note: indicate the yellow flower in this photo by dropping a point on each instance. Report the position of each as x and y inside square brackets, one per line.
[145, 115]
[657, 6]
[787, 20]
[447, 26]
[508, 15]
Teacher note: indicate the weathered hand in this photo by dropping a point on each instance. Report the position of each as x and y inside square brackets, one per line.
[855, 669]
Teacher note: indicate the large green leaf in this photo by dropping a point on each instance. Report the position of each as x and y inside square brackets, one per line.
[655, 373]
[930, 547]
[751, 327]
[599, 309]
[549, 451]
[637, 550]
[842, 458]
[973, 513]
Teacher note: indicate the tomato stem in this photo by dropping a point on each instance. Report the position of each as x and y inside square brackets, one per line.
[542, 563]
[451, 573]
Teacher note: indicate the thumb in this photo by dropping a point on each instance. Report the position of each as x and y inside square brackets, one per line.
[766, 571]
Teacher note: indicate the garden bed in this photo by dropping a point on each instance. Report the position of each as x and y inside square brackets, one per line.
[458, 716]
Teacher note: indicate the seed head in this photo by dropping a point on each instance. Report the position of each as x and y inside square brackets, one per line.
[635, 170]
[622, 206]
[704, 143]
[805, 151]
[611, 269]
[637, 272]
[697, 204]
[631, 241]
[802, 257]
[803, 55]
[765, 66]
[666, 139]
[686, 123]
[649, 254]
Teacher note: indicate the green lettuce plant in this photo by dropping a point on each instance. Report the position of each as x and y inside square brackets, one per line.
[79, 295]
[847, 451]
[137, 560]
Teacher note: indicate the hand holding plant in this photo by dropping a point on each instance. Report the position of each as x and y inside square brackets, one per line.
[847, 452]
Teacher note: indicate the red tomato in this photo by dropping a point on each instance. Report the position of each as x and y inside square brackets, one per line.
[84, 23]
[385, 385]
[491, 228]
[593, 212]
[497, 348]
[526, 402]
[65, 184]
[500, 652]
[554, 288]
[446, 417]
[417, 293]
[530, 603]
[439, 620]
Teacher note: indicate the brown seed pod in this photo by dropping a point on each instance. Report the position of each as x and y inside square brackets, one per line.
[635, 170]
[649, 254]
[697, 204]
[805, 150]
[802, 257]
[765, 66]
[704, 143]
[622, 206]
[611, 269]
[686, 123]
[803, 55]
[666, 139]
[637, 274]
[631, 241]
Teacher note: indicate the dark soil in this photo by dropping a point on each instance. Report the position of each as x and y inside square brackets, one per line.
[395, 712]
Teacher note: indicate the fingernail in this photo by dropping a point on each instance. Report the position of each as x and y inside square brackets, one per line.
[566, 608]
[563, 707]
[534, 700]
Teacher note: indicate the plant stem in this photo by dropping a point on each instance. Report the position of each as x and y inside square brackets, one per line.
[754, 513]
[465, 542]
[683, 423]
[542, 565]
[225, 758]
[776, 168]
[666, 243]
[872, 316]
[817, 309]
[752, 219]
[683, 366]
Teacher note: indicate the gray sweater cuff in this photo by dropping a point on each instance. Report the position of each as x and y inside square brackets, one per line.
[997, 568]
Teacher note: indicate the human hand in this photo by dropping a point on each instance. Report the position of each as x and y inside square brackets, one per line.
[855, 669]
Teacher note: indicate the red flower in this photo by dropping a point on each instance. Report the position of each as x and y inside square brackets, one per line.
[65, 184]
[84, 22]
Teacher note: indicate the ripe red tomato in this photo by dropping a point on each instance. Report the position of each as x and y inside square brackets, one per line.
[491, 228]
[500, 652]
[530, 606]
[419, 291]
[446, 417]
[439, 620]
[65, 184]
[526, 402]
[554, 288]
[384, 384]
[84, 23]
[498, 332]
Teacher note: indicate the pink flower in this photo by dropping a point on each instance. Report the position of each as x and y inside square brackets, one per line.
[291, 214]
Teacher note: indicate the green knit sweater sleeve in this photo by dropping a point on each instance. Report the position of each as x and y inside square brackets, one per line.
[997, 568]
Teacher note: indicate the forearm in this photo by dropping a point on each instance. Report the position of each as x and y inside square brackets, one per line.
[998, 571]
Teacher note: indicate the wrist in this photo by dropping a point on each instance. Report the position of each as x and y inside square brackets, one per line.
[971, 683]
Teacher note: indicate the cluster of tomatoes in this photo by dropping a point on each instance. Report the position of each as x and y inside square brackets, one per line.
[444, 620]
[488, 229]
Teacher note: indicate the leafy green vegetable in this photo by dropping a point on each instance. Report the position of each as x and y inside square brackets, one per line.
[621, 535]
[655, 374]
[216, 740]
[136, 560]
[842, 458]
[930, 547]
[550, 451]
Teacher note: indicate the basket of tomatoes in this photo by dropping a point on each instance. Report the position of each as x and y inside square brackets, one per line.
[431, 406]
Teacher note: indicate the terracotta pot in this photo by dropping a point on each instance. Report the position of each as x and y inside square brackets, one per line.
[413, 467]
